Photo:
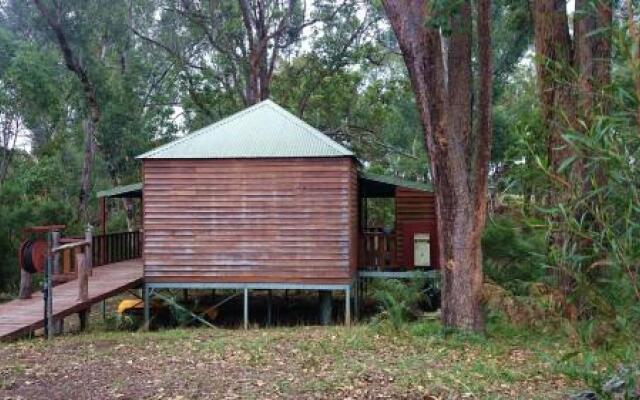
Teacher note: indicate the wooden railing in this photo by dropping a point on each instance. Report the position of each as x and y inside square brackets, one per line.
[378, 250]
[115, 247]
[82, 252]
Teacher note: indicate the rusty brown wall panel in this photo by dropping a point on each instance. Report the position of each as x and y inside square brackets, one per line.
[413, 206]
[250, 220]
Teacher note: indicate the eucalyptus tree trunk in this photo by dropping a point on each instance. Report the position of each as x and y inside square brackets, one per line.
[572, 74]
[459, 156]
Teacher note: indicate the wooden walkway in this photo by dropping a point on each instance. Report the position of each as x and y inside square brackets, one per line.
[20, 317]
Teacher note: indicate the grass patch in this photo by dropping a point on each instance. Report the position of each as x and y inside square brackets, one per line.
[363, 361]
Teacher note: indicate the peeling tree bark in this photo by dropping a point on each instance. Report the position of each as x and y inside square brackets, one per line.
[459, 158]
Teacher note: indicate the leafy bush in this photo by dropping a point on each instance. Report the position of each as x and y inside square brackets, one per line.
[599, 223]
[399, 300]
[513, 253]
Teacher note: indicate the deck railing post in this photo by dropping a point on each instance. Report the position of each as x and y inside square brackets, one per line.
[55, 242]
[83, 276]
[88, 259]
[58, 325]
[25, 284]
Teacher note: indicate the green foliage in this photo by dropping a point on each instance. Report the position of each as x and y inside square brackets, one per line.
[596, 215]
[601, 215]
[33, 195]
[514, 253]
[399, 300]
[380, 213]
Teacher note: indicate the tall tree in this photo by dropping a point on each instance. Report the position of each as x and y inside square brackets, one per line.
[53, 17]
[244, 39]
[229, 51]
[124, 95]
[442, 81]
[572, 73]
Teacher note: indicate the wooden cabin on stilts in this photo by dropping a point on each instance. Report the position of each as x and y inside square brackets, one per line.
[260, 201]
[263, 201]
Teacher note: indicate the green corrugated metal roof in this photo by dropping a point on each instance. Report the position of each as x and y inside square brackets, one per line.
[132, 190]
[395, 181]
[264, 130]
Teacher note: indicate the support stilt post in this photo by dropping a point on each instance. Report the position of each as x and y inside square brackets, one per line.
[104, 310]
[146, 296]
[49, 290]
[347, 306]
[326, 306]
[84, 319]
[356, 300]
[58, 325]
[269, 307]
[246, 308]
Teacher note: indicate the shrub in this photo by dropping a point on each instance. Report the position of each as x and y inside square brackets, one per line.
[513, 253]
[399, 300]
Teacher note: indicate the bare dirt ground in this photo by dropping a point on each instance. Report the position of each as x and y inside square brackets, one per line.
[361, 362]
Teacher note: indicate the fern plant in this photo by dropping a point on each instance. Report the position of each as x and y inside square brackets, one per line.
[399, 301]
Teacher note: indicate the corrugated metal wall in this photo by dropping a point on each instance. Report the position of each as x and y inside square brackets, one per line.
[250, 220]
[415, 207]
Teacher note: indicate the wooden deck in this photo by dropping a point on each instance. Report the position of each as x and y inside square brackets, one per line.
[19, 317]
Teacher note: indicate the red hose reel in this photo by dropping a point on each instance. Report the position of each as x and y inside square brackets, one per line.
[33, 255]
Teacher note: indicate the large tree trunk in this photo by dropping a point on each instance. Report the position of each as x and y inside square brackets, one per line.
[571, 77]
[459, 162]
[462, 275]
[557, 96]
